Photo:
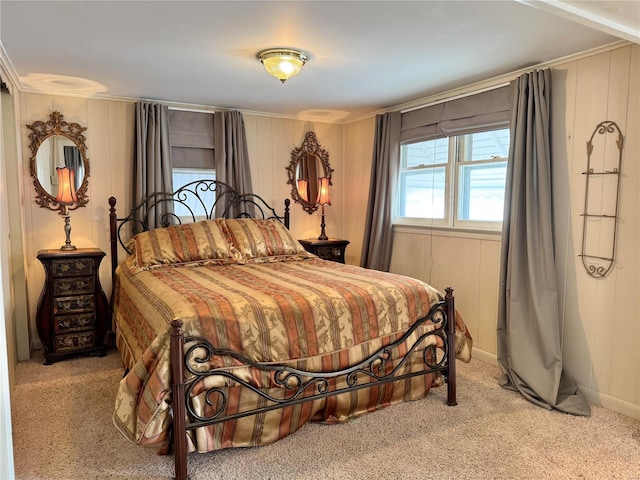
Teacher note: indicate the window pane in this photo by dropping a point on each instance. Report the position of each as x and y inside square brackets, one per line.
[422, 193]
[481, 191]
[183, 176]
[431, 152]
[487, 145]
[427, 189]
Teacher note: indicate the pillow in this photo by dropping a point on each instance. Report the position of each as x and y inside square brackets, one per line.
[260, 240]
[204, 241]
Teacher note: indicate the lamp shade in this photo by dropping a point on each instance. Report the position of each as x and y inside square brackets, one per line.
[66, 186]
[323, 191]
[282, 63]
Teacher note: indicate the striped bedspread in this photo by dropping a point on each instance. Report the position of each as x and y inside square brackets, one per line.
[311, 314]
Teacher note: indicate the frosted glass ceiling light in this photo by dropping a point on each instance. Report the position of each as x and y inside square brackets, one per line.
[282, 63]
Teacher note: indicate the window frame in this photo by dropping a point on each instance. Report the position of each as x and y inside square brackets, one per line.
[452, 193]
[404, 220]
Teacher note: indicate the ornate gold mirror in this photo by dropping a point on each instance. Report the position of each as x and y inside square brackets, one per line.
[309, 163]
[57, 144]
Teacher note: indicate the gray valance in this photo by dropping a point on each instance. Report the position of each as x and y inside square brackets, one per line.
[483, 111]
[192, 139]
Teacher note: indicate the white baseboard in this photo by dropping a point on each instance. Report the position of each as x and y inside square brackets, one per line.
[611, 403]
[483, 356]
[594, 397]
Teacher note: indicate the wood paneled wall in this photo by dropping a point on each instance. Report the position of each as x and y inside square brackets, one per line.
[358, 153]
[601, 316]
[468, 262]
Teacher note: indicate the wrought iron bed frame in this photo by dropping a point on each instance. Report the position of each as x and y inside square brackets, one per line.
[300, 386]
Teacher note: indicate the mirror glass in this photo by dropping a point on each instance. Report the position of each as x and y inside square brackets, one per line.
[308, 171]
[58, 151]
[308, 164]
[57, 143]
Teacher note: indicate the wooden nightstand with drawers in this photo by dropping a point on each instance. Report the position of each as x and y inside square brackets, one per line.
[73, 311]
[332, 249]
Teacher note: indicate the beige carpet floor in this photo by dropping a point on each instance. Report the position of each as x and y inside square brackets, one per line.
[63, 430]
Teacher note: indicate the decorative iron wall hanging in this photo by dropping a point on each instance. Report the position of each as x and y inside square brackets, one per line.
[601, 199]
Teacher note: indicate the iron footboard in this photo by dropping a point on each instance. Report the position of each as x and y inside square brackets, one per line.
[300, 386]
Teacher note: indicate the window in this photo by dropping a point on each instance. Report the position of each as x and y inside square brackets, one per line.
[183, 176]
[454, 181]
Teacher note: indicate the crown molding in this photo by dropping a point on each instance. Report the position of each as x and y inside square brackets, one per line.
[7, 68]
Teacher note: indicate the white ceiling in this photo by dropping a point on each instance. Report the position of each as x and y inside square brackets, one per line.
[364, 56]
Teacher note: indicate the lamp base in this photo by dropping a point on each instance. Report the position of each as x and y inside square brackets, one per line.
[67, 230]
[323, 235]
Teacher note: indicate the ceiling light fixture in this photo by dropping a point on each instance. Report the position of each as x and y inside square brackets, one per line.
[282, 63]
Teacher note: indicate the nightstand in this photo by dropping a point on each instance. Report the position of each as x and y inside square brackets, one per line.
[332, 249]
[73, 311]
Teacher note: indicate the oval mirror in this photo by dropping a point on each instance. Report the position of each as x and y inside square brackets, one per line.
[308, 164]
[57, 143]
[58, 151]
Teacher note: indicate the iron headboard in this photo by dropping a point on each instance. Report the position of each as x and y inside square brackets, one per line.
[195, 201]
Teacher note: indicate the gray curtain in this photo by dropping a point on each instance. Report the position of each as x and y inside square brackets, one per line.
[152, 168]
[378, 234]
[232, 158]
[529, 330]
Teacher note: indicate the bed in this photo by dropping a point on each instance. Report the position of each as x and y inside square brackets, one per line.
[232, 335]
